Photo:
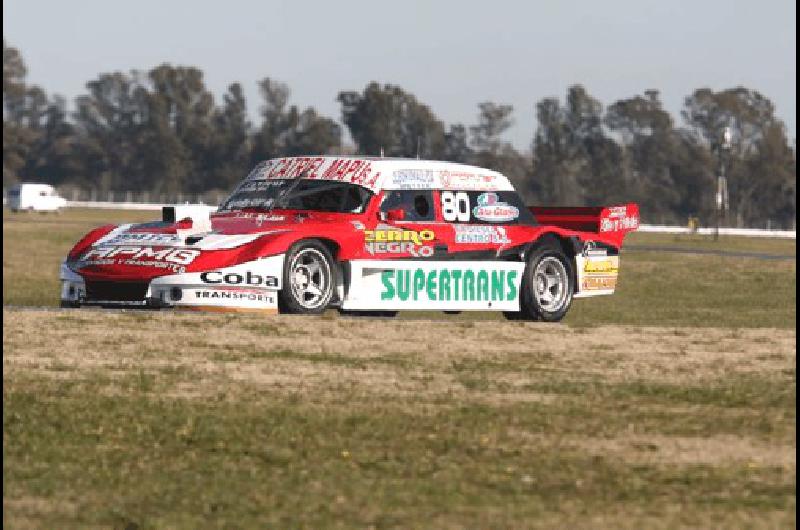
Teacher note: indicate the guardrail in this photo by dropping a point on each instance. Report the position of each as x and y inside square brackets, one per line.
[118, 205]
[749, 232]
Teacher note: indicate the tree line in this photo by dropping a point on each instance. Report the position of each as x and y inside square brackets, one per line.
[162, 131]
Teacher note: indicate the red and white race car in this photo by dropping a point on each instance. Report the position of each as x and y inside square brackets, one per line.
[365, 235]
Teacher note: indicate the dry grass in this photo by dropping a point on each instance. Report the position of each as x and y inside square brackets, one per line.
[379, 355]
[368, 422]
[685, 450]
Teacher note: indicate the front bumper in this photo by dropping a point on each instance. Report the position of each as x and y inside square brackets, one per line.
[250, 286]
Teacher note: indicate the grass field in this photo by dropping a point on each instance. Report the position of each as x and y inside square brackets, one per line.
[670, 404]
[177, 420]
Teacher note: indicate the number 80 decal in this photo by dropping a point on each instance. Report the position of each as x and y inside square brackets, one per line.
[455, 206]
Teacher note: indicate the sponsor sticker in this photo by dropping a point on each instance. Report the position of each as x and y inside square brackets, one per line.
[618, 219]
[239, 295]
[491, 209]
[261, 219]
[174, 259]
[134, 238]
[604, 266]
[353, 170]
[617, 212]
[480, 234]
[259, 185]
[458, 180]
[449, 285]
[250, 202]
[431, 284]
[412, 179]
[623, 223]
[598, 283]
[399, 242]
[234, 278]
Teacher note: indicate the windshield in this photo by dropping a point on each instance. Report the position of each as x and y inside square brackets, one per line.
[314, 195]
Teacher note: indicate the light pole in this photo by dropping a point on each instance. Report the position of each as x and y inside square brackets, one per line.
[722, 181]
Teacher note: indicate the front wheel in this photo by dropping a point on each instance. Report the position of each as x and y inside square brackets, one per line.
[309, 278]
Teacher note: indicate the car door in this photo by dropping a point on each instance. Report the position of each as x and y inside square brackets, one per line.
[407, 228]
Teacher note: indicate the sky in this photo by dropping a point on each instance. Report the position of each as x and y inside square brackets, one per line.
[451, 55]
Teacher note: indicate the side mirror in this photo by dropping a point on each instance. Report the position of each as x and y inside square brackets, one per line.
[397, 214]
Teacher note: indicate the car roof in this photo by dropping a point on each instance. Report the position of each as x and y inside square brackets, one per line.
[378, 173]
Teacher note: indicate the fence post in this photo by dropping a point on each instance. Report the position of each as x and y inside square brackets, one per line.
[129, 196]
[110, 196]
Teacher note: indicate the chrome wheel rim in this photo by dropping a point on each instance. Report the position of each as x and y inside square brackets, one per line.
[310, 278]
[551, 284]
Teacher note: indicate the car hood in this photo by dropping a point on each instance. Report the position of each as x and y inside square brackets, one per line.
[136, 252]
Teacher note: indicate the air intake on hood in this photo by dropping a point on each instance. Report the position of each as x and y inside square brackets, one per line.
[198, 213]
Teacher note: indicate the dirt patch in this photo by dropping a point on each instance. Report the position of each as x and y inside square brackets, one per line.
[394, 358]
[714, 450]
[36, 506]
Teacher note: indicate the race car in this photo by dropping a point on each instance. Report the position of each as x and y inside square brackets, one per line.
[369, 236]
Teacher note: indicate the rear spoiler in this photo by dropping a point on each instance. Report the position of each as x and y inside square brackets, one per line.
[613, 222]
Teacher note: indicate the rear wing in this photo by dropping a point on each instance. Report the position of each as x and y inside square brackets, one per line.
[596, 268]
[611, 222]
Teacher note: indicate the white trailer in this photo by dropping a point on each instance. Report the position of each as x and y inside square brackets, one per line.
[35, 197]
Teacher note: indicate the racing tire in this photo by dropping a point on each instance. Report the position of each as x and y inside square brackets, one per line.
[548, 283]
[309, 279]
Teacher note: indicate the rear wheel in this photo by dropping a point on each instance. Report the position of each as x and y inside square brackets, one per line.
[309, 278]
[547, 284]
